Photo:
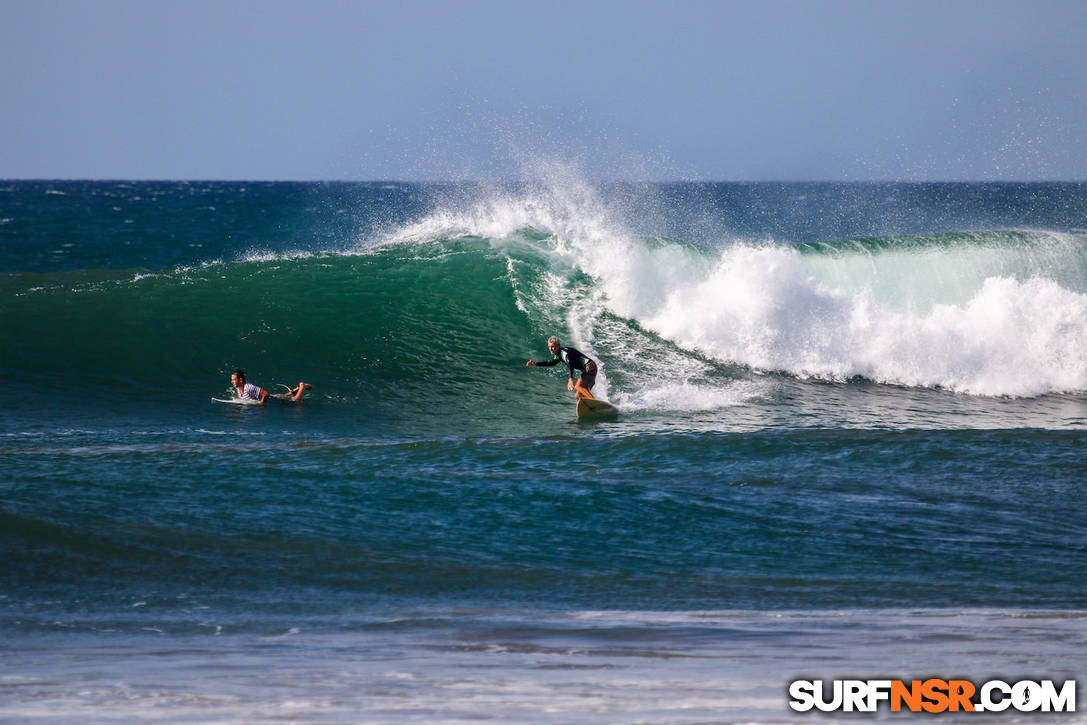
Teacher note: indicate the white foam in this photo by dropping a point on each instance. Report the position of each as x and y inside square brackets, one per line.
[688, 397]
[976, 316]
[266, 255]
[760, 307]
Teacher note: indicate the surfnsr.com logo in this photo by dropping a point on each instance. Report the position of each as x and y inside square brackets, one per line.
[932, 695]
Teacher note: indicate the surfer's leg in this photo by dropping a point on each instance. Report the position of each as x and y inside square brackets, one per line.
[585, 382]
[296, 394]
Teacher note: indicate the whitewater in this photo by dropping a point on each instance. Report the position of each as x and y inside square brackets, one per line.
[851, 444]
[986, 313]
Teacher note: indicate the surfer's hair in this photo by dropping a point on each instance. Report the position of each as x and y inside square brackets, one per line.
[553, 339]
[240, 373]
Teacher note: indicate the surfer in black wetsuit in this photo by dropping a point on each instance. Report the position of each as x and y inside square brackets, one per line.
[575, 360]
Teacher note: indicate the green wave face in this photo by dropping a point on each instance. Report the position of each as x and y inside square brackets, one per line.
[406, 321]
[447, 315]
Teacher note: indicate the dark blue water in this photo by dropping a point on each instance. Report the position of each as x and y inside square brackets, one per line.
[853, 419]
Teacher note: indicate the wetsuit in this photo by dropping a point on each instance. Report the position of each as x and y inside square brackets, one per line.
[575, 360]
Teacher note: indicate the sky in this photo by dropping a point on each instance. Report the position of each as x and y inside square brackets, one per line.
[418, 90]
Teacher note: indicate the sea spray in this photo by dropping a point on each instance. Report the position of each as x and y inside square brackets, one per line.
[452, 301]
[987, 313]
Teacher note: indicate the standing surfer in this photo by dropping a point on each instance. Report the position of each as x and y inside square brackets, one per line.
[575, 360]
[250, 391]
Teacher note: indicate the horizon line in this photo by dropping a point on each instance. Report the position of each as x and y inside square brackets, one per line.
[449, 182]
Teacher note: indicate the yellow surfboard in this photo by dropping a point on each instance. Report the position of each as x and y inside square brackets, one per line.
[587, 408]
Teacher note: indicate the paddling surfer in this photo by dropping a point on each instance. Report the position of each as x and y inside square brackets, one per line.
[575, 360]
[250, 391]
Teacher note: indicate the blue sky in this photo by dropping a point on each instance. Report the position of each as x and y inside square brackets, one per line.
[629, 90]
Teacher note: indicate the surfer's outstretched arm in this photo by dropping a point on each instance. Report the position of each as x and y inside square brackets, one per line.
[574, 360]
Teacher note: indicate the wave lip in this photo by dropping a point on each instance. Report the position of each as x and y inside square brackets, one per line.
[991, 313]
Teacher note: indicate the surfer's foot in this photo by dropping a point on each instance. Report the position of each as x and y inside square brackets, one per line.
[296, 393]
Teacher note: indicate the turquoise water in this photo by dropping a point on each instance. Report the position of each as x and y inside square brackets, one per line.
[853, 421]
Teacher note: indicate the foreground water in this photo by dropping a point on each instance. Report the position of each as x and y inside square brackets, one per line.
[527, 666]
[851, 444]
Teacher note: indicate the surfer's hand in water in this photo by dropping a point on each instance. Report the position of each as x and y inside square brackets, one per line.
[570, 384]
[530, 364]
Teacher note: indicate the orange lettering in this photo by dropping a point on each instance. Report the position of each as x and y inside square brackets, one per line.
[911, 695]
[934, 691]
[959, 694]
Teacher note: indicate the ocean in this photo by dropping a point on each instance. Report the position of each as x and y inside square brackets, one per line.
[852, 442]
